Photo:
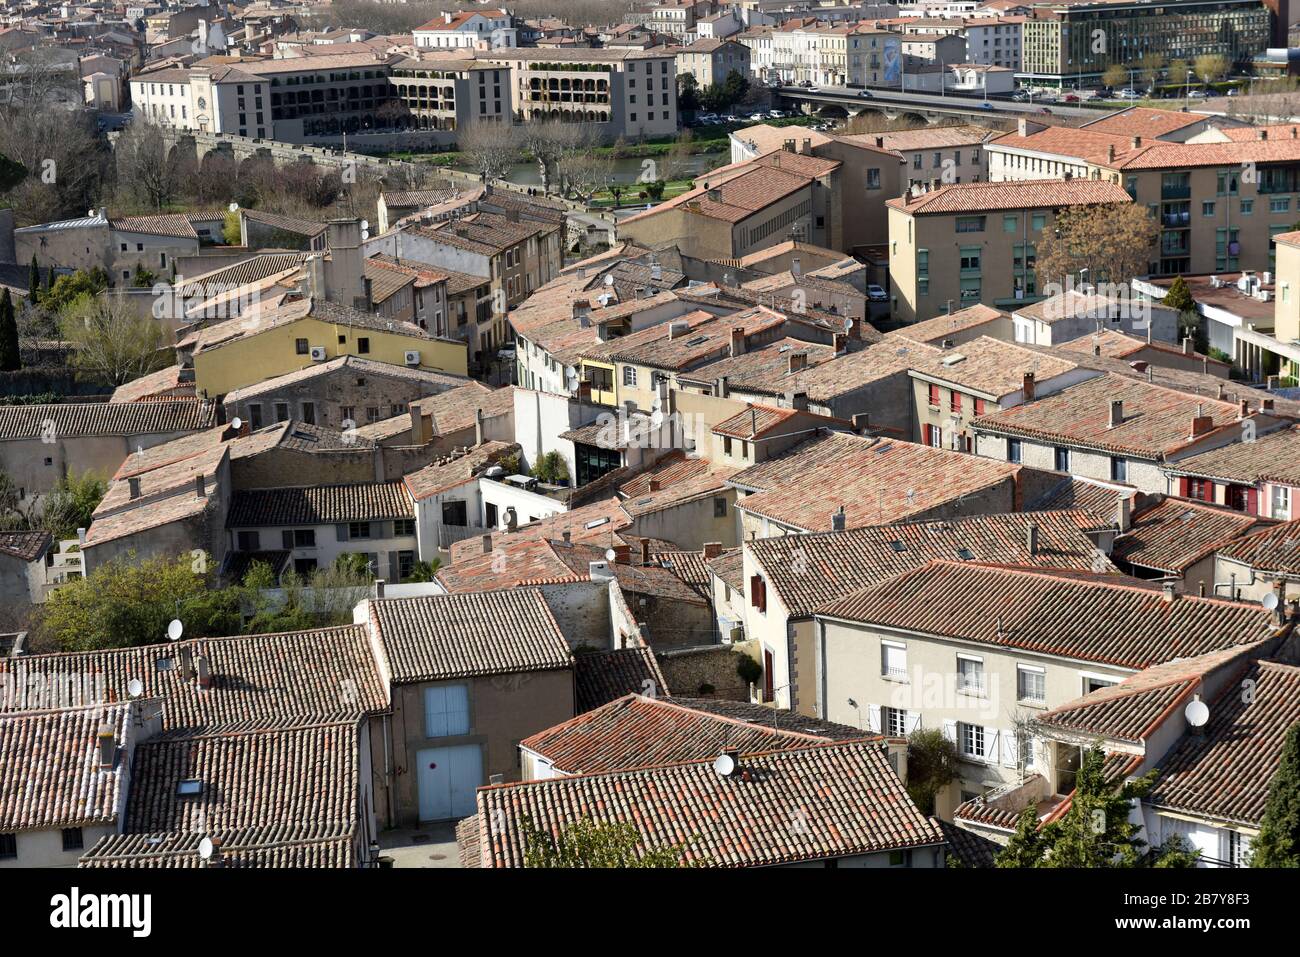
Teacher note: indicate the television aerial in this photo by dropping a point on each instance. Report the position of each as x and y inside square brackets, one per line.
[236, 423]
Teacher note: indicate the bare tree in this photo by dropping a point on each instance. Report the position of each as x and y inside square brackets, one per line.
[112, 339]
[1110, 242]
[587, 174]
[36, 80]
[146, 166]
[64, 158]
[575, 155]
[491, 148]
[1211, 66]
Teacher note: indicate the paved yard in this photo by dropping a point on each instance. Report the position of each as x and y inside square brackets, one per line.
[431, 846]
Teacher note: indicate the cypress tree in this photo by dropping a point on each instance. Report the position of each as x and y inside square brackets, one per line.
[1278, 844]
[9, 356]
[33, 281]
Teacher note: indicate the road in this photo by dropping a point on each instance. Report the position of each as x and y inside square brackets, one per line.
[932, 101]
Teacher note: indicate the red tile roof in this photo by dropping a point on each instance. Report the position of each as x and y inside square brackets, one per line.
[1019, 194]
[1174, 534]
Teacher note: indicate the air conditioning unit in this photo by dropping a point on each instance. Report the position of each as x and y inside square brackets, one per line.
[412, 358]
[317, 353]
[737, 633]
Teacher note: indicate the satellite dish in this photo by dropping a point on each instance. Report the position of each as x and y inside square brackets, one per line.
[233, 207]
[610, 554]
[724, 764]
[1197, 713]
[365, 224]
[205, 848]
[174, 629]
[135, 687]
[236, 423]
[657, 418]
[1269, 601]
[365, 234]
[570, 372]
[848, 323]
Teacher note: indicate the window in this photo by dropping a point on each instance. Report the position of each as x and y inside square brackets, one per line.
[934, 436]
[363, 345]
[1238, 849]
[446, 711]
[954, 402]
[1282, 205]
[1031, 684]
[1026, 750]
[893, 722]
[1118, 469]
[73, 839]
[1093, 683]
[1038, 221]
[758, 592]
[1280, 502]
[1010, 224]
[358, 530]
[403, 527]
[934, 396]
[309, 413]
[629, 376]
[1247, 207]
[248, 541]
[970, 674]
[970, 224]
[1207, 209]
[8, 847]
[1062, 459]
[281, 411]
[971, 738]
[893, 659]
[1014, 451]
[970, 258]
[979, 406]
[719, 508]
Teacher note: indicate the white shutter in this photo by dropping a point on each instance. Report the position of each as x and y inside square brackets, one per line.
[950, 731]
[1010, 745]
[873, 718]
[991, 738]
[913, 721]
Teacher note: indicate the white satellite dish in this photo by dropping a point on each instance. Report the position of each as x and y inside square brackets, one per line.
[233, 207]
[848, 323]
[724, 764]
[365, 234]
[609, 279]
[174, 629]
[236, 423]
[610, 554]
[1197, 713]
[1269, 601]
[365, 224]
[205, 848]
[135, 687]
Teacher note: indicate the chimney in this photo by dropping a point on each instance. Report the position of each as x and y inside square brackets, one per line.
[203, 668]
[720, 387]
[753, 421]
[712, 549]
[133, 483]
[1096, 348]
[806, 146]
[788, 146]
[1022, 126]
[799, 400]
[737, 341]
[1027, 386]
[1221, 392]
[862, 423]
[1116, 413]
[487, 543]
[379, 588]
[1266, 405]
[567, 535]
[1167, 590]
[645, 551]
[839, 342]
[1110, 153]
[478, 426]
[1202, 424]
[797, 361]
[1031, 538]
[1187, 345]
[187, 663]
[1124, 516]
[880, 141]
[623, 554]
[838, 520]
[1263, 134]
[653, 485]
[1243, 409]
[216, 860]
[581, 309]
[1294, 132]
[107, 741]
[855, 330]
[417, 425]
[1137, 142]
[796, 267]
[714, 194]
[200, 486]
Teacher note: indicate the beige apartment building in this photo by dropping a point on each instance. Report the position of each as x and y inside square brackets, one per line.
[1286, 309]
[976, 242]
[448, 94]
[711, 61]
[1221, 196]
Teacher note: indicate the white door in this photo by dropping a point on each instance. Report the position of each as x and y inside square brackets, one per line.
[447, 780]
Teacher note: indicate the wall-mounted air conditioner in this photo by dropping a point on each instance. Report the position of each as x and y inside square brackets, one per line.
[317, 353]
[412, 358]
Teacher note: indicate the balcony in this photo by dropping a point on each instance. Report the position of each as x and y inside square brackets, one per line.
[1176, 192]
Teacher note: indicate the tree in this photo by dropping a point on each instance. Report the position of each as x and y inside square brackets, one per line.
[1211, 67]
[1096, 831]
[489, 148]
[11, 173]
[60, 293]
[1178, 70]
[10, 358]
[34, 282]
[65, 158]
[1114, 76]
[688, 93]
[142, 278]
[586, 843]
[146, 166]
[69, 505]
[1149, 67]
[129, 601]
[425, 571]
[1189, 321]
[230, 229]
[1278, 843]
[551, 468]
[675, 164]
[111, 339]
[931, 766]
[1106, 243]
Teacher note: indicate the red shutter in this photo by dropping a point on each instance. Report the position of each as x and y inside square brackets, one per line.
[1252, 501]
[758, 592]
[979, 406]
[1182, 487]
[934, 395]
[955, 402]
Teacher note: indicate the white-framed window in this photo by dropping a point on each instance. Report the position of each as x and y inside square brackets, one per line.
[1236, 849]
[970, 674]
[893, 722]
[446, 711]
[893, 659]
[629, 375]
[971, 740]
[1093, 682]
[1280, 502]
[1031, 684]
[1025, 745]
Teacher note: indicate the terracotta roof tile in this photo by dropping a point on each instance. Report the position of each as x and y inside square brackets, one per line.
[601, 676]
[1173, 535]
[1018, 194]
[319, 504]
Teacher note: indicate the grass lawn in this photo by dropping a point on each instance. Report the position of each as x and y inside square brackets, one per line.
[631, 195]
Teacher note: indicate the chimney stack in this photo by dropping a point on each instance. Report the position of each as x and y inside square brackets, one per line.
[1168, 591]
[1031, 538]
[417, 425]
[200, 486]
[1243, 409]
[797, 361]
[712, 549]
[1263, 134]
[862, 423]
[203, 668]
[796, 267]
[107, 741]
[839, 342]
[1201, 424]
[133, 483]
[379, 588]
[623, 554]
[1027, 386]
[645, 551]
[1187, 345]
[838, 520]
[487, 543]
[737, 341]
[1125, 514]
[1110, 153]
[478, 426]
[1116, 412]
[1137, 142]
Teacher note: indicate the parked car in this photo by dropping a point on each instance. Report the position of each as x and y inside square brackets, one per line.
[865, 93]
[876, 293]
[1019, 96]
[1235, 91]
[758, 117]
[807, 84]
[1071, 98]
[1128, 93]
[706, 118]
[776, 114]
[507, 352]
[1198, 95]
